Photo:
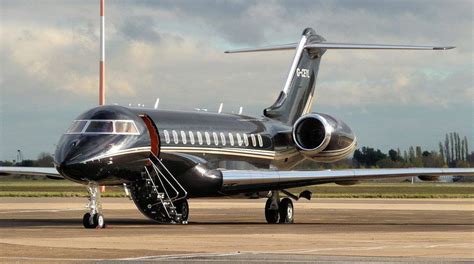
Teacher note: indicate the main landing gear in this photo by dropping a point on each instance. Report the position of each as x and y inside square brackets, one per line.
[282, 212]
[277, 211]
[94, 218]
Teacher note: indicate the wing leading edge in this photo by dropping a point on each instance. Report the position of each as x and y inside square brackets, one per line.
[237, 179]
[49, 172]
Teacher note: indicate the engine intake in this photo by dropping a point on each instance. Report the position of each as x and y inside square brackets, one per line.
[312, 133]
[323, 138]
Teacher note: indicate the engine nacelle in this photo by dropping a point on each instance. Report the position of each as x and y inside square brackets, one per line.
[323, 138]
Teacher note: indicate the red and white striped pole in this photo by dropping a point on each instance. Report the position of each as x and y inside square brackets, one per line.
[102, 55]
[102, 63]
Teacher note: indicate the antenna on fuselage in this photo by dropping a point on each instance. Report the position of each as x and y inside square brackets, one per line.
[157, 102]
[241, 109]
[220, 108]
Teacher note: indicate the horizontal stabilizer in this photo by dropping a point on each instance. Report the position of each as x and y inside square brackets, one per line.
[331, 45]
[327, 45]
[268, 48]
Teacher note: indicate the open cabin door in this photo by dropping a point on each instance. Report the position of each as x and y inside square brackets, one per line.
[153, 132]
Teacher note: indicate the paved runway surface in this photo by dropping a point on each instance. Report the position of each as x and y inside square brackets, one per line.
[49, 230]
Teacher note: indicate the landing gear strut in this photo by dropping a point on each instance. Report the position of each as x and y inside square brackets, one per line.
[94, 218]
[277, 211]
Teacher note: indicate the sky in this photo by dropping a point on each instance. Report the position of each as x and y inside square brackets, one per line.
[49, 52]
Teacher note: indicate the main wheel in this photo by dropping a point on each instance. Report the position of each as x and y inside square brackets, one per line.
[99, 221]
[286, 211]
[88, 221]
[182, 207]
[271, 215]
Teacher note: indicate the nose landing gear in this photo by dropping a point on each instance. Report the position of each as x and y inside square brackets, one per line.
[94, 218]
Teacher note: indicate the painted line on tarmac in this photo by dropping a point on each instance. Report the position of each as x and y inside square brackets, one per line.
[180, 256]
[366, 248]
[188, 259]
[41, 211]
[238, 260]
[54, 259]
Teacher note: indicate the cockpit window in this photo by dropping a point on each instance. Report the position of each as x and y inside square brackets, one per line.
[114, 127]
[77, 126]
[100, 127]
[127, 127]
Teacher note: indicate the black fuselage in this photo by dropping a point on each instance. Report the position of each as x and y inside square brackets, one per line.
[181, 139]
[102, 146]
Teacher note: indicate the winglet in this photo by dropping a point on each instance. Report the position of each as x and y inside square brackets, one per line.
[444, 48]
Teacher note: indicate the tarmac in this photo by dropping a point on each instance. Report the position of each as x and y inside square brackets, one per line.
[49, 230]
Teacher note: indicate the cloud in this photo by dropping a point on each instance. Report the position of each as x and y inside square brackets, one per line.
[174, 50]
[140, 28]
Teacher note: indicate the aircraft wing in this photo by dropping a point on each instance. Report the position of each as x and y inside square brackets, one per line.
[254, 179]
[49, 172]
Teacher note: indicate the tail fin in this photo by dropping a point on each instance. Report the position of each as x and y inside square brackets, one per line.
[297, 95]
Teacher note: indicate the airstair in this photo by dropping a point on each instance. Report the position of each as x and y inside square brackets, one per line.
[166, 187]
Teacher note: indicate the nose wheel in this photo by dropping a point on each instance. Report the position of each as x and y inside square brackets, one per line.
[93, 221]
[94, 218]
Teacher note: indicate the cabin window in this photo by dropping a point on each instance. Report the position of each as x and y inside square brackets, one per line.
[231, 139]
[208, 138]
[191, 137]
[260, 140]
[77, 126]
[254, 140]
[175, 137]
[183, 137]
[167, 136]
[125, 127]
[216, 138]
[199, 135]
[246, 140]
[239, 139]
[100, 127]
[223, 139]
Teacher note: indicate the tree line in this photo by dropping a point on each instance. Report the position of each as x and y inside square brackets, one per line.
[453, 153]
[454, 150]
[44, 160]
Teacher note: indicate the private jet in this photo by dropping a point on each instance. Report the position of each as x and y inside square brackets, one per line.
[163, 158]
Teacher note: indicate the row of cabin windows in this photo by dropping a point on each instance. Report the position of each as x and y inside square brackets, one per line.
[240, 139]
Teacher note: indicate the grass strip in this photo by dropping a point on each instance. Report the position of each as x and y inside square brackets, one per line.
[51, 188]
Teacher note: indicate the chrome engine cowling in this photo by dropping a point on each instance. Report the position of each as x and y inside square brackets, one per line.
[323, 138]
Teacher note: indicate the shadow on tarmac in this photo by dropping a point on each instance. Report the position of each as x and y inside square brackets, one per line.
[32, 222]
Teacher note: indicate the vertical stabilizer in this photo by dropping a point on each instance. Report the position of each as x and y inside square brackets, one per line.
[297, 95]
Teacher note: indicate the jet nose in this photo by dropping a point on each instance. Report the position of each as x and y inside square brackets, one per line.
[69, 159]
[68, 152]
